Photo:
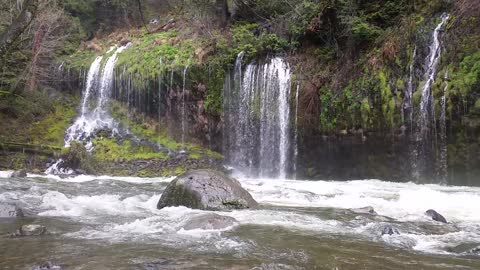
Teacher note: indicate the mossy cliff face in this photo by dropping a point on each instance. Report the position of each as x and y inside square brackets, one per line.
[352, 68]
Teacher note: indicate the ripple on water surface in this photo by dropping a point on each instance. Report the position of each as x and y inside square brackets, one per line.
[297, 223]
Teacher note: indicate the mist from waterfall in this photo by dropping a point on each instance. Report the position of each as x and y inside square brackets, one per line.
[257, 117]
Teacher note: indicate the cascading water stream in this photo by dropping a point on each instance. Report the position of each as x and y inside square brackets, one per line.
[295, 136]
[425, 134]
[91, 121]
[258, 117]
[183, 107]
[443, 150]
[427, 102]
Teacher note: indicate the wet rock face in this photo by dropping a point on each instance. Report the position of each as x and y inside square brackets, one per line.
[18, 174]
[206, 190]
[31, 230]
[209, 222]
[435, 216]
[10, 210]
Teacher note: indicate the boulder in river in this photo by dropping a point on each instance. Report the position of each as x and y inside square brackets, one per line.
[435, 216]
[31, 230]
[209, 222]
[8, 210]
[389, 230]
[19, 173]
[365, 210]
[47, 266]
[206, 190]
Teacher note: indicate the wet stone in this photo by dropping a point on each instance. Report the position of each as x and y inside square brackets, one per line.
[206, 190]
[389, 230]
[48, 266]
[8, 210]
[19, 174]
[364, 210]
[435, 216]
[31, 230]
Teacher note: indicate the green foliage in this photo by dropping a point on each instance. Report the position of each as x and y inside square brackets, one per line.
[51, 129]
[110, 149]
[250, 39]
[365, 112]
[363, 31]
[143, 58]
[214, 99]
[467, 77]
[387, 100]
[77, 156]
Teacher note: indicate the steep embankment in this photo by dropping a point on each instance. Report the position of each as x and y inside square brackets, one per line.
[364, 75]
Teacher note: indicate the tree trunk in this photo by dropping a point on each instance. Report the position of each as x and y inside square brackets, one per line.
[16, 29]
[222, 11]
[140, 9]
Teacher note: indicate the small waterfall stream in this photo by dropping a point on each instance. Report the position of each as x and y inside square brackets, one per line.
[427, 103]
[425, 134]
[295, 136]
[442, 169]
[184, 122]
[91, 121]
[257, 116]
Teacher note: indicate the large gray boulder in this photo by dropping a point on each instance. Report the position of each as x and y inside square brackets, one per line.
[209, 222]
[206, 190]
[8, 210]
[19, 174]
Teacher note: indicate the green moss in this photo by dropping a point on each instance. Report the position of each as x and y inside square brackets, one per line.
[51, 129]
[109, 149]
[365, 111]
[175, 171]
[143, 57]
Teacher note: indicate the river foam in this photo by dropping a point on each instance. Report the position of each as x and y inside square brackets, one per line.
[316, 207]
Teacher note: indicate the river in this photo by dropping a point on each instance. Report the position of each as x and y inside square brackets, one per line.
[112, 223]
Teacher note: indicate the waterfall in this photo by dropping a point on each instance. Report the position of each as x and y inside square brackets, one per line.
[257, 117]
[427, 102]
[443, 151]
[423, 153]
[183, 106]
[89, 122]
[295, 136]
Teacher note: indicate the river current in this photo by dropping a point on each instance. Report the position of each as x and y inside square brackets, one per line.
[112, 223]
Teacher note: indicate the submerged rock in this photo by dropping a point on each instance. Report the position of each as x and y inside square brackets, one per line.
[206, 190]
[389, 230]
[210, 222]
[474, 251]
[19, 173]
[47, 266]
[10, 210]
[31, 230]
[365, 210]
[435, 216]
